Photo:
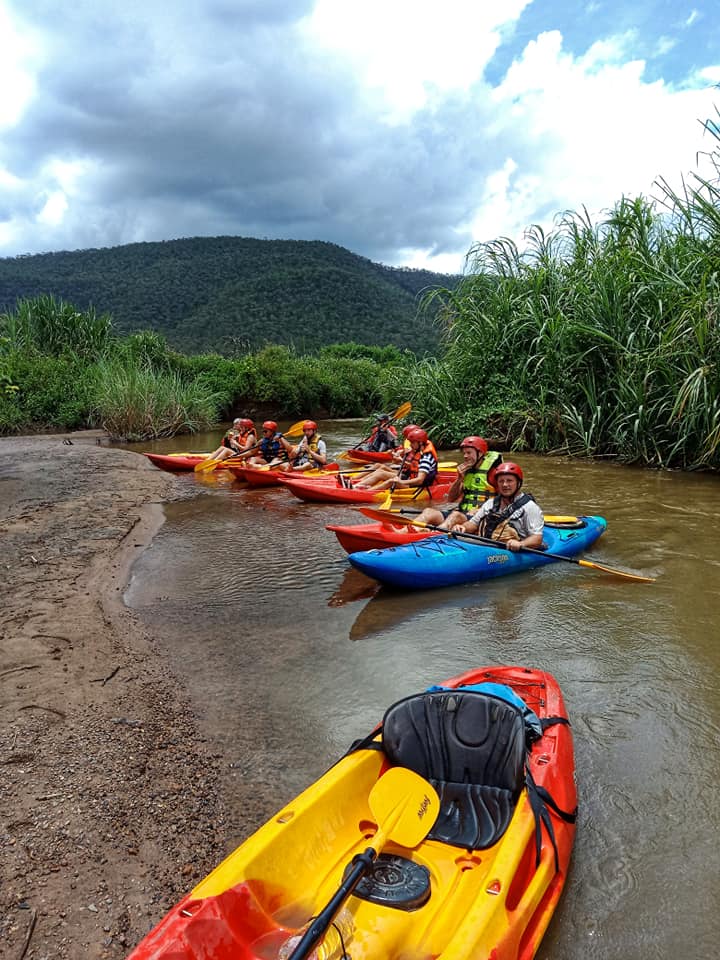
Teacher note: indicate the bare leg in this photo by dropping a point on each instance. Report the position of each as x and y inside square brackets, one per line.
[435, 517]
[378, 476]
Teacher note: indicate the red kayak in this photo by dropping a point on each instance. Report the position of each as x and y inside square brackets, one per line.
[313, 492]
[174, 462]
[368, 456]
[258, 477]
[376, 536]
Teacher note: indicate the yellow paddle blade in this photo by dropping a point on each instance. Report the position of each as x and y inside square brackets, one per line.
[386, 503]
[614, 570]
[295, 430]
[402, 411]
[205, 465]
[405, 807]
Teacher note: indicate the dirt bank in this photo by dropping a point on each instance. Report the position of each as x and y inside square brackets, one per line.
[109, 802]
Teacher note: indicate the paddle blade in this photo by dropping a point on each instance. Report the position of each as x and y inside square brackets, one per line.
[205, 465]
[295, 430]
[405, 807]
[402, 411]
[615, 571]
[387, 502]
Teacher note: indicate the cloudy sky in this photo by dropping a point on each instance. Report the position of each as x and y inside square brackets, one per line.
[404, 130]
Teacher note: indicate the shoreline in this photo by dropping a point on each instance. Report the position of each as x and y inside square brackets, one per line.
[111, 804]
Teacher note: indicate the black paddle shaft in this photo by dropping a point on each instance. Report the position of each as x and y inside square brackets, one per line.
[361, 864]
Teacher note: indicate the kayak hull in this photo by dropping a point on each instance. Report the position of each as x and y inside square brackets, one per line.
[493, 902]
[376, 536]
[312, 492]
[445, 561]
[176, 462]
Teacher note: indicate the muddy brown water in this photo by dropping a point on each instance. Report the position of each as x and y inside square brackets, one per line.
[290, 655]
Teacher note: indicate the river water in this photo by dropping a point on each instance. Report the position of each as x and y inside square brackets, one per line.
[290, 655]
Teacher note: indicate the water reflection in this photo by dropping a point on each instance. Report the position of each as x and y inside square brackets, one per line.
[290, 655]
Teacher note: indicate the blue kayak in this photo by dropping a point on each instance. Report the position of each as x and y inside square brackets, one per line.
[448, 560]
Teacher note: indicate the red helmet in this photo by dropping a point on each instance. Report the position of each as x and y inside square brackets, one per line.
[270, 425]
[477, 443]
[247, 423]
[310, 425]
[511, 468]
[417, 435]
[406, 430]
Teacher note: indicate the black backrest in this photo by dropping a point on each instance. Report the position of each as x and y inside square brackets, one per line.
[471, 746]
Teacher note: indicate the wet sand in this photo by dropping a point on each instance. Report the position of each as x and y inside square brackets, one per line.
[110, 804]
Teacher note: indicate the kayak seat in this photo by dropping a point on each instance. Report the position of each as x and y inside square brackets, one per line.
[472, 747]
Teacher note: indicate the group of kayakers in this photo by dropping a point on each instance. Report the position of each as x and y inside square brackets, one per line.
[508, 515]
[272, 448]
[487, 490]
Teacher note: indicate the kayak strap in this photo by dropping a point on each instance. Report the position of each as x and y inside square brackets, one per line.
[540, 799]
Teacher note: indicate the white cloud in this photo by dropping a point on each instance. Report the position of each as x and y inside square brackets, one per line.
[412, 50]
[366, 123]
[19, 47]
[584, 132]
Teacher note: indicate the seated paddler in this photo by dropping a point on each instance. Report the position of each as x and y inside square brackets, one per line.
[510, 516]
[311, 452]
[471, 487]
[419, 466]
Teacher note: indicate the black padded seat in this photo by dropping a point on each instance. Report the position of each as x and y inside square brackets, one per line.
[472, 747]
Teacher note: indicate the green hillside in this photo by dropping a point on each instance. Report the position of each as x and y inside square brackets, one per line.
[232, 294]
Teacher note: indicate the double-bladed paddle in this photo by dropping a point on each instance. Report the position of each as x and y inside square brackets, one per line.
[405, 807]
[294, 431]
[389, 516]
[402, 411]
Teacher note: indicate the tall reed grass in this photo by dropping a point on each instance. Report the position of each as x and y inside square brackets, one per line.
[596, 340]
[50, 326]
[140, 403]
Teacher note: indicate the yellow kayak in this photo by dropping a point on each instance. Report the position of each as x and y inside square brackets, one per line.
[481, 882]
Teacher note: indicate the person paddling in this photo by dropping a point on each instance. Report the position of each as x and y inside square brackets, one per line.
[471, 486]
[510, 516]
[238, 439]
[419, 467]
[273, 449]
[383, 436]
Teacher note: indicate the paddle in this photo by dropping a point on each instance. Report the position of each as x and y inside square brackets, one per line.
[392, 517]
[405, 807]
[550, 518]
[294, 431]
[402, 411]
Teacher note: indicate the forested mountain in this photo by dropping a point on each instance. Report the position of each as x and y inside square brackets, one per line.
[231, 294]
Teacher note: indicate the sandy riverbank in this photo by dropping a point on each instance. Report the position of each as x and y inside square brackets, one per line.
[109, 806]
